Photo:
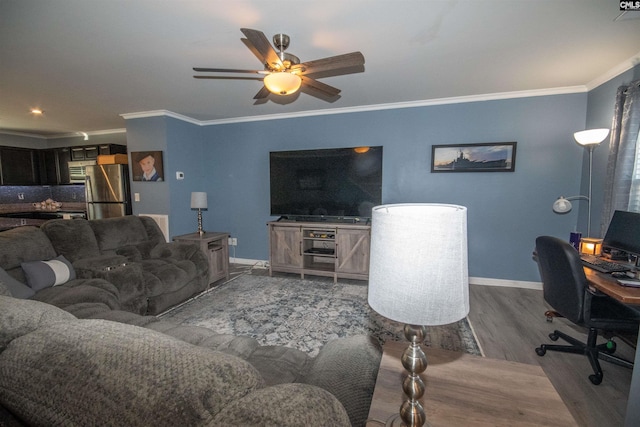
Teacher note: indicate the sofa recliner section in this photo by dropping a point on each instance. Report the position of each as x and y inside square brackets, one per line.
[121, 283]
[151, 274]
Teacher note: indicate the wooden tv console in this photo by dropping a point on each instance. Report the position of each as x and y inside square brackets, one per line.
[338, 250]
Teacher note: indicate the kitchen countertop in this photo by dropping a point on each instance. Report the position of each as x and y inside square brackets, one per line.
[8, 223]
[28, 207]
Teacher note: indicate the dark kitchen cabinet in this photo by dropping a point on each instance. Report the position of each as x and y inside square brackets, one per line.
[54, 167]
[47, 160]
[112, 149]
[19, 166]
[50, 166]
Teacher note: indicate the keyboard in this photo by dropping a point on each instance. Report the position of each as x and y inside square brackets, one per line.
[602, 265]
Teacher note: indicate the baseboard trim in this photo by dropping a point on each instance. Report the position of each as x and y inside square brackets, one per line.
[484, 281]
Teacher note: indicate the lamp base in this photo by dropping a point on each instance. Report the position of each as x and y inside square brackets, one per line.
[200, 230]
[396, 421]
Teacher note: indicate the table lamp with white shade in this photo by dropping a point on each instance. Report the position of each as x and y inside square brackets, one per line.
[418, 276]
[199, 202]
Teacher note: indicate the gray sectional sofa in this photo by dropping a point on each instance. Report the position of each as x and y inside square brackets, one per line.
[90, 350]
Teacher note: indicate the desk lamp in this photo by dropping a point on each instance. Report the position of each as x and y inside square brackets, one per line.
[199, 201]
[418, 276]
[589, 139]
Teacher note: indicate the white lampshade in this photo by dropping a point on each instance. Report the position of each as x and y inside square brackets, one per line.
[198, 200]
[591, 136]
[418, 272]
[282, 83]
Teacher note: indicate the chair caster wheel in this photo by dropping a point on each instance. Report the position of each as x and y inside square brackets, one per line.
[595, 379]
[553, 336]
[541, 351]
[611, 347]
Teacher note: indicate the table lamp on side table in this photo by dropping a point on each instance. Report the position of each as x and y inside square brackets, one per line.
[418, 276]
[199, 201]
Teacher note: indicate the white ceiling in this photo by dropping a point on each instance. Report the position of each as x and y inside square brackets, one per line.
[86, 62]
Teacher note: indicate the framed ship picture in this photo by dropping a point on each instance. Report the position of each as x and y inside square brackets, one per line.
[483, 157]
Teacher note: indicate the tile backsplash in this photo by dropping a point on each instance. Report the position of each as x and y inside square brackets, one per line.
[32, 194]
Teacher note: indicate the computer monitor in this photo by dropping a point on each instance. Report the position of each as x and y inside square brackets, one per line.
[622, 239]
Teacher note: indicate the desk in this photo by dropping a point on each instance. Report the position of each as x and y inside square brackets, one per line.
[608, 285]
[462, 390]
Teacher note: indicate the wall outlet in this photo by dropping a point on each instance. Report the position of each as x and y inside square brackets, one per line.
[233, 241]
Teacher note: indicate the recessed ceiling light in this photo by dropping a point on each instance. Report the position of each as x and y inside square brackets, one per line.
[37, 111]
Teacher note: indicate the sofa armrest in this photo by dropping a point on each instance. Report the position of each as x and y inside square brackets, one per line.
[89, 268]
[182, 251]
[348, 368]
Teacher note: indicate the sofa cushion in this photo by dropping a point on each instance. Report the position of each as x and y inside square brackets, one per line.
[14, 287]
[115, 233]
[43, 274]
[19, 317]
[72, 238]
[77, 372]
[23, 244]
[82, 297]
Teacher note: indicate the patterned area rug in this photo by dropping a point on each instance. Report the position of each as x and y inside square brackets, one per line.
[304, 314]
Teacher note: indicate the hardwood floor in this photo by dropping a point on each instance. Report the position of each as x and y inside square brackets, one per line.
[510, 324]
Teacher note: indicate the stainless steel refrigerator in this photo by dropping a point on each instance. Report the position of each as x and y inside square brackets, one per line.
[107, 191]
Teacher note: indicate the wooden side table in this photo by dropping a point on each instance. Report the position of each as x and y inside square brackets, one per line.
[462, 389]
[216, 248]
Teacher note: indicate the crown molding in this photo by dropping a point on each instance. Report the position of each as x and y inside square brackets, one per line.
[614, 72]
[362, 108]
[160, 113]
[89, 133]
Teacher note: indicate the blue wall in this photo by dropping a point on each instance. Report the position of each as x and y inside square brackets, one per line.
[506, 210]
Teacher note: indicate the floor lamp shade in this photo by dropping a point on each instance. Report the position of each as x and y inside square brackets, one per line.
[418, 271]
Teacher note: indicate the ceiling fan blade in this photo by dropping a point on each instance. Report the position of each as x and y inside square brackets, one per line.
[263, 47]
[319, 86]
[262, 93]
[253, 50]
[226, 70]
[259, 79]
[348, 60]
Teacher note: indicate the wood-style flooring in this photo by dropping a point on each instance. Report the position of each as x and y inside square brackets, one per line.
[510, 323]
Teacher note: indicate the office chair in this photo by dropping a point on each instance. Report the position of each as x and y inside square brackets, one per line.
[564, 287]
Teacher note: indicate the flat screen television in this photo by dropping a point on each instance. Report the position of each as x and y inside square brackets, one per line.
[325, 183]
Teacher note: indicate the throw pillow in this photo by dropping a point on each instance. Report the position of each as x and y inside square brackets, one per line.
[16, 288]
[44, 274]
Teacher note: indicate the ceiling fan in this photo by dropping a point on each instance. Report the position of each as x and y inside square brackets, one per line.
[284, 74]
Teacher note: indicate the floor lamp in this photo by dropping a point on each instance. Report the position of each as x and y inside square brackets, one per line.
[199, 201]
[418, 276]
[589, 139]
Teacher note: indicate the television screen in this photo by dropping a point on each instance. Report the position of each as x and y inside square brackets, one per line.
[623, 233]
[339, 182]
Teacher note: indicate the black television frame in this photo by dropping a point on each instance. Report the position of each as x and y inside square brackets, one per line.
[325, 185]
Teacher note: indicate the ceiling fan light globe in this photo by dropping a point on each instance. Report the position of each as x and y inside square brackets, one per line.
[282, 83]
